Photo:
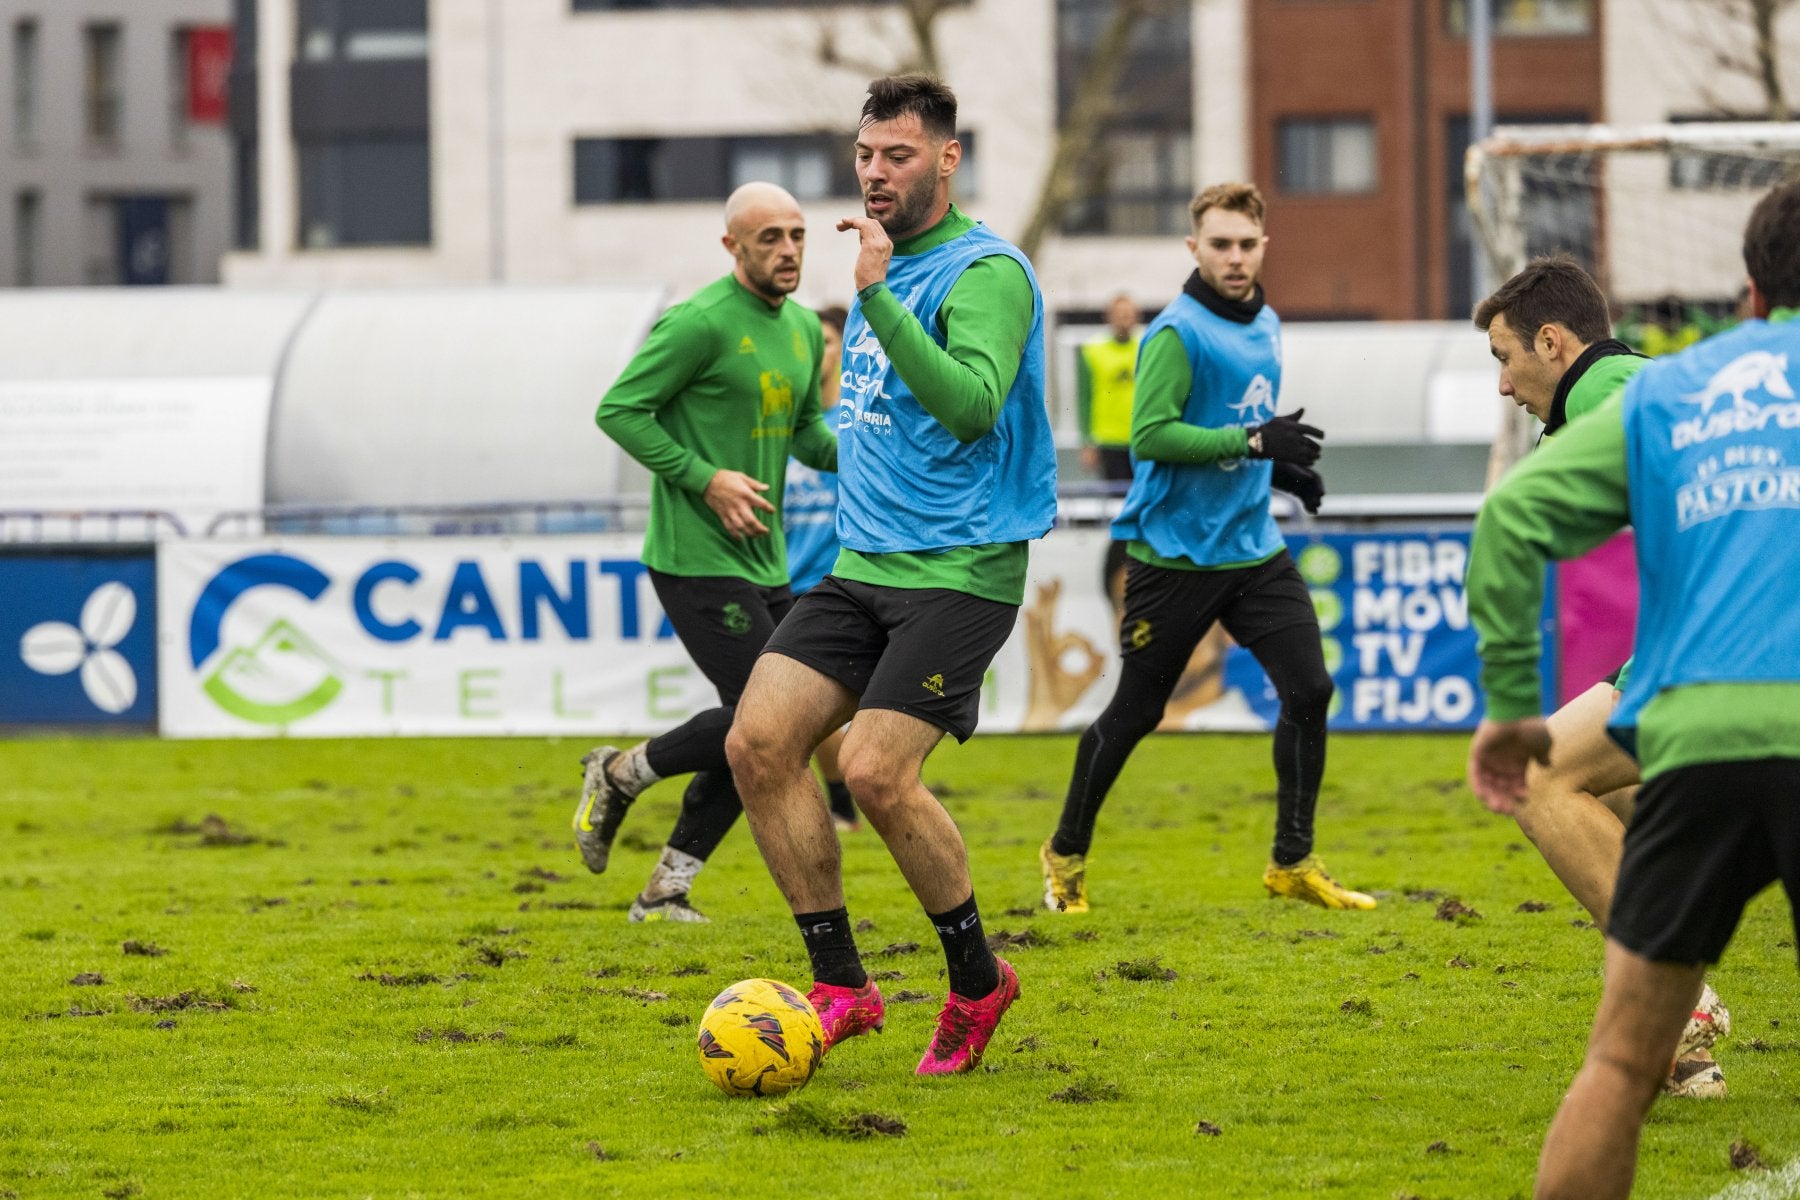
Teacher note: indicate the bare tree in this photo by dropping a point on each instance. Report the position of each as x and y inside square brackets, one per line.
[1740, 39]
[1095, 93]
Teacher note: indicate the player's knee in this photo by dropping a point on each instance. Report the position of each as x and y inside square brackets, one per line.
[752, 747]
[1308, 697]
[877, 783]
[1634, 1074]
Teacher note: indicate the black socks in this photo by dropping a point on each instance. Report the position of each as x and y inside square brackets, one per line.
[973, 971]
[832, 948]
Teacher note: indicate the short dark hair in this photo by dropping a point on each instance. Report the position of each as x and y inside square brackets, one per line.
[1772, 245]
[924, 96]
[834, 315]
[1232, 197]
[1550, 290]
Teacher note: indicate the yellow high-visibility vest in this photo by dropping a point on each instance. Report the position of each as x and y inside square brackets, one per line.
[1112, 376]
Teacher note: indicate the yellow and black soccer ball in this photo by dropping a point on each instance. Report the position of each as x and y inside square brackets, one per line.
[759, 1037]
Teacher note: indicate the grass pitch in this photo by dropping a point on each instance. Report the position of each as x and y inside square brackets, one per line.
[378, 968]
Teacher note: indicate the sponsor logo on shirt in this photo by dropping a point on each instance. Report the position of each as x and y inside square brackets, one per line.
[1757, 371]
[865, 373]
[746, 346]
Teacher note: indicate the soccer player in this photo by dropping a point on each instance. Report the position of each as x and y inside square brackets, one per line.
[1105, 370]
[809, 517]
[726, 382]
[1549, 329]
[1204, 548]
[1696, 454]
[948, 472]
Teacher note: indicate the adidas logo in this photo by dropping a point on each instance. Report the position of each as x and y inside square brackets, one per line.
[746, 346]
[934, 685]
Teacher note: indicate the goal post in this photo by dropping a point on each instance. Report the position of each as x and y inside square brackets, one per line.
[1654, 212]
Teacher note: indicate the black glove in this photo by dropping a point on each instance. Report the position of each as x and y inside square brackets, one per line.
[1285, 439]
[1302, 483]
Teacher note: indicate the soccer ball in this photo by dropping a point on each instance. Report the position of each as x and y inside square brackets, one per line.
[760, 1037]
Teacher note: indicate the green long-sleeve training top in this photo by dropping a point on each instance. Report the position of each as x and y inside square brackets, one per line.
[723, 382]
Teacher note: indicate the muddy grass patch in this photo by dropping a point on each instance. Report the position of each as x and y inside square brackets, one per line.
[1141, 970]
[188, 1001]
[1088, 1091]
[456, 1036]
[142, 949]
[808, 1120]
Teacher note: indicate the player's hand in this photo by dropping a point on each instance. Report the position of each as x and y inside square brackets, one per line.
[737, 498]
[1302, 483]
[1286, 439]
[1499, 756]
[872, 258]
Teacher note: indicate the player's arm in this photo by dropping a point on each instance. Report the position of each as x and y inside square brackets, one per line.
[663, 366]
[1158, 433]
[985, 319]
[813, 443]
[1566, 498]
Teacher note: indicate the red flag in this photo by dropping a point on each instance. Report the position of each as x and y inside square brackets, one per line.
[208, 65]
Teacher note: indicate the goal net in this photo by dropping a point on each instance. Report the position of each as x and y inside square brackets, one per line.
[1656, 213]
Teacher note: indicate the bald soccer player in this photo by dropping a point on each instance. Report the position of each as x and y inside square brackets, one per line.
[723, 390]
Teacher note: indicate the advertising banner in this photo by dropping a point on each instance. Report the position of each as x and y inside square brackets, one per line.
[77, 639]
[356, 636]
[1393, 620]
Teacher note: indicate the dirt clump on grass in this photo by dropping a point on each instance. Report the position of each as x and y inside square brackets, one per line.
[1532, 906]
[1453, 909]
[1745, 1156]
[88, 979]
[1143, 970]
[142, 949]
[895, 948]
[457, 1036]
[1087, 1091]
[180, 1002]
[1025, 939]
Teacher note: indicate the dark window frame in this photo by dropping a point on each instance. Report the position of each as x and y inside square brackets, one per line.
[1327, 123]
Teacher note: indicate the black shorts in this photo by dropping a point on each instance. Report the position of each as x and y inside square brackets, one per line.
[1703, 841]
[920, 651]
[1168, 611]
[722, 622]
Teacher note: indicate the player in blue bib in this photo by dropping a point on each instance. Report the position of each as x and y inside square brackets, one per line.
[1204, 549]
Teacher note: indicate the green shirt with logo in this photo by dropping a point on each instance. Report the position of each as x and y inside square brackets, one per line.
[985, 319]
[723, 382]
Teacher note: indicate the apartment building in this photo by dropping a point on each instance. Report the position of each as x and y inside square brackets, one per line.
[114, 160]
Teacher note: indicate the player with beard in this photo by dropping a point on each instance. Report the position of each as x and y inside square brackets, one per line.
[948, 471]
[1204, 549]
[725, 384]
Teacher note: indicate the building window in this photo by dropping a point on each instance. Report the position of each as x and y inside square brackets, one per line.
[241, 114]
[362, 30]
[104, 94]
[1333, 156]
[25, 83]
[1527, 18]
[813, 166]
[365, 191]
[28, 236]
[1137, 177]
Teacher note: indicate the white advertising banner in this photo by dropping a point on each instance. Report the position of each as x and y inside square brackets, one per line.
[563, 635]
[189, 447]
[331, 637]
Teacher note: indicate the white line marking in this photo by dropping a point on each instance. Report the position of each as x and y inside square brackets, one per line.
[1776, 1185]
